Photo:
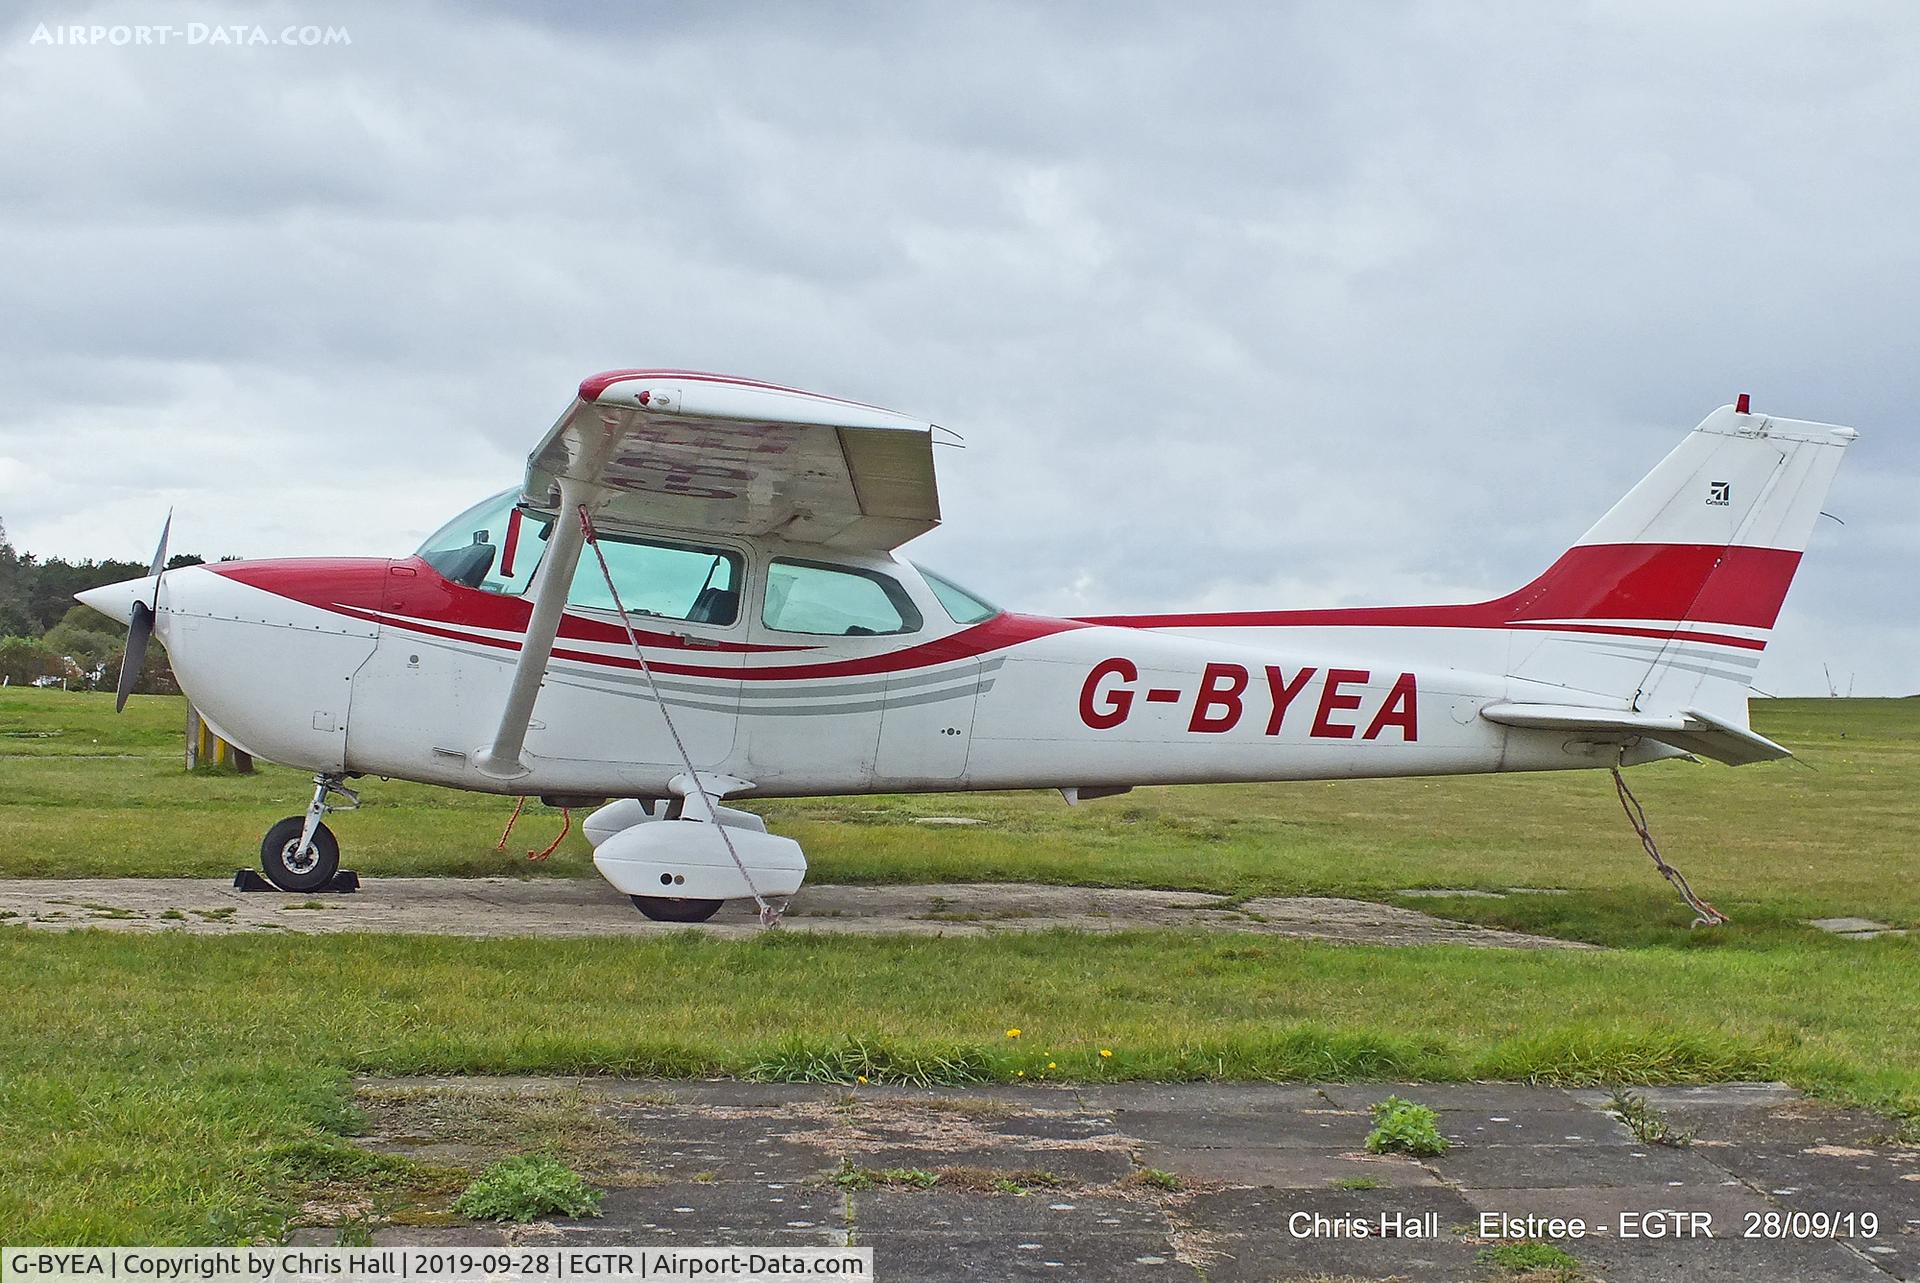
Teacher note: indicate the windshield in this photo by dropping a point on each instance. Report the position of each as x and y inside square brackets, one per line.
[965, 607]
[495, 548]
[486, 548]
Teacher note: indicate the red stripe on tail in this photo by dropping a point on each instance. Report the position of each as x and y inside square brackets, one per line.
[1696, 582]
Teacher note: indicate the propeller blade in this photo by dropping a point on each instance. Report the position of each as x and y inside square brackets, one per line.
[139, 633]
[140, 624]
[160, 557]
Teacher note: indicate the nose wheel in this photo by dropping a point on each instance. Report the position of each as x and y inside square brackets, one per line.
[300, 853]
[292, 869]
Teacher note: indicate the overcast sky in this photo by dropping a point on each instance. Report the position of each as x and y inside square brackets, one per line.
[1258, 305]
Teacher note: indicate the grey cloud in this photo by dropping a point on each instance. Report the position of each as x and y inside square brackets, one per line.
[1246, 303]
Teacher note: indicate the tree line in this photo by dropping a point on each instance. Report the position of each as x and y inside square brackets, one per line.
[47, 636]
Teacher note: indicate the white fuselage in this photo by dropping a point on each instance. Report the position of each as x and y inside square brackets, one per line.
[386, 668]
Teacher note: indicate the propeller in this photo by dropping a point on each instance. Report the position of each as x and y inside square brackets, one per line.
[140, 624]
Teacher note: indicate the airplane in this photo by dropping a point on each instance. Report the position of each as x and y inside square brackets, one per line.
[695, 596]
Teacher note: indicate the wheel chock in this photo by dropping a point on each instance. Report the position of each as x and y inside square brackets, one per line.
[345, 882]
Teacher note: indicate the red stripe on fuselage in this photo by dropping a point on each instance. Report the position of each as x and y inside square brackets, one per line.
[1637, 582]
[1693, 582]
[983, 638]
[1664, 634]
[431, 606]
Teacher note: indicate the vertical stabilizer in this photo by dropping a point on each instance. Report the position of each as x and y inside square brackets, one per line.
[1669, 600]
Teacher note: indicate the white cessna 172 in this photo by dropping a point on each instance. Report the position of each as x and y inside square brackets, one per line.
[695, 596]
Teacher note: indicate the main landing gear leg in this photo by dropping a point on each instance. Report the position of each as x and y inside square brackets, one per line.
[300, 853]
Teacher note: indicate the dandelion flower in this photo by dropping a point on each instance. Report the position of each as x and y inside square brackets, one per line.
[1013, 1033]
[1106, 1053]
[1019, 1073]
[860, 1078]
[1051, 1065]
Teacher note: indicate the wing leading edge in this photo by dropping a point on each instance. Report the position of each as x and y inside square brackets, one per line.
[713, 454]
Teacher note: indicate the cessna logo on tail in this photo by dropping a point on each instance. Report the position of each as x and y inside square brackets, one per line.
[1107, 698]
[1719, 493]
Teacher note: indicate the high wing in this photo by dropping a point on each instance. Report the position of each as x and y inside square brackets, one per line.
[714, 454]
[709, 454]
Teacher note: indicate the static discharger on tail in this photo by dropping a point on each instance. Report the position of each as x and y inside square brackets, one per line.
[696, 596]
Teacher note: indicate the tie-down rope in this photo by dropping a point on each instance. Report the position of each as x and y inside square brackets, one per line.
[769, 916]
[519, 805]
[1705, 915]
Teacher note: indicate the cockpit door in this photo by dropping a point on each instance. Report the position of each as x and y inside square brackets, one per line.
[685, 603]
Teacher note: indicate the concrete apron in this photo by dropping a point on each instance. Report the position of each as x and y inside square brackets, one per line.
[1216, 1181]
[589, 907]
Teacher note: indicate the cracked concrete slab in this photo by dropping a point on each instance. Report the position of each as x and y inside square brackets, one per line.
[936, 1235]
[1268, 1233]
[556, 907]
[1855, 928]
[1217, 1181]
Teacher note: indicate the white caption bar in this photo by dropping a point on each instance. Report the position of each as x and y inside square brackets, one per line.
[431, 1264]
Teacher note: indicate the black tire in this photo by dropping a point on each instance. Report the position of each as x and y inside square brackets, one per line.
[277, 848]
[663, 909]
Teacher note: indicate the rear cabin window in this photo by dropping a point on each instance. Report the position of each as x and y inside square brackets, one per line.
[835, 601]
[963, 606]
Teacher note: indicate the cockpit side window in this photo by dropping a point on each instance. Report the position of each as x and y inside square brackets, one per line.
[664, 580]
[491, 546]
[835, 601]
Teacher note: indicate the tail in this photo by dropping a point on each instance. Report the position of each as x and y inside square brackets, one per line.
[1669, 600]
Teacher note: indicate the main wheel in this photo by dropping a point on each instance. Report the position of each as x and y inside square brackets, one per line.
[663, 909]
[299, 873]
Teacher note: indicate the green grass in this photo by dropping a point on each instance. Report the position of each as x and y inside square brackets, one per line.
[191, 1089]
[524, 1187]
[861, 1178]
[1647, 1123]
[91, 795]
[1402, 1127]
[149, 1081]
[1542, 1262]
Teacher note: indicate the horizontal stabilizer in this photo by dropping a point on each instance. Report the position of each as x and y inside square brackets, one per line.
[1690, 731]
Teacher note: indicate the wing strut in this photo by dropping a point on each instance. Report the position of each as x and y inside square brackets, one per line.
[501, 759]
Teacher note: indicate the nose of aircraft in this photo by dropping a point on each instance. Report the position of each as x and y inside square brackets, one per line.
[116, 600]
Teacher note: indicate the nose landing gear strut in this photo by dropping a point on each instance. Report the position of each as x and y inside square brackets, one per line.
[300, 852]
